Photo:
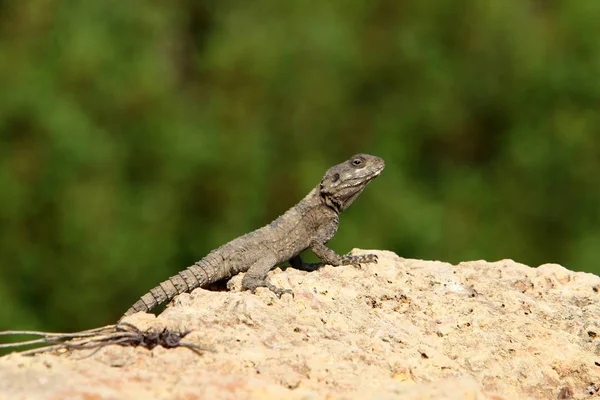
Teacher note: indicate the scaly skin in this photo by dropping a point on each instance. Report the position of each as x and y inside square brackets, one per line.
[309, 224]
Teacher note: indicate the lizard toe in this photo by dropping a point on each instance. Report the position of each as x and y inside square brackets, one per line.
[278, 291]
[371, 258]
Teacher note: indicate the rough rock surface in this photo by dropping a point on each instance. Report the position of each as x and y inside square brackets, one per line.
[402, 329]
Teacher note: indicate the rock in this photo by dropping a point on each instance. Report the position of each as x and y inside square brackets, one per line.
[401, 329]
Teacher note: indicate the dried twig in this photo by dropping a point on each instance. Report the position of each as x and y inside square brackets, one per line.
[123, 333]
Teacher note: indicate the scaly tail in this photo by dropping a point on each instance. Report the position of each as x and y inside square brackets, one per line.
[185, 281]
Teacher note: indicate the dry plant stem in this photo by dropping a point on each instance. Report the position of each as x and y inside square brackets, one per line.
[122, 334]
[50, 337]
[88, 332]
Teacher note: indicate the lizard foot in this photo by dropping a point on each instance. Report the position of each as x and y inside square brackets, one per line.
[349, 259]
[252, 284]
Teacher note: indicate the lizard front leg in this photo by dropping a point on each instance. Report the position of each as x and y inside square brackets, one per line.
[257, 276]
[330, 257]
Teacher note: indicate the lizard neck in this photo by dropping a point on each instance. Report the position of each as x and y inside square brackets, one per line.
[316, 198]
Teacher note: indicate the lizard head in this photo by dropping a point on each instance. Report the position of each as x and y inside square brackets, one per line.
[342, 183]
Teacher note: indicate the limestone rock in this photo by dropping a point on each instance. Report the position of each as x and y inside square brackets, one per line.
[399, 329]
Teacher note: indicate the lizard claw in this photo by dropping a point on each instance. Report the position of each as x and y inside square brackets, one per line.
[361, 259]
[279, 291]
[371, 258]
[252, 285]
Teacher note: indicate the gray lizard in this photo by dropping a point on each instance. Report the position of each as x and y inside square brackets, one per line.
[310, 224]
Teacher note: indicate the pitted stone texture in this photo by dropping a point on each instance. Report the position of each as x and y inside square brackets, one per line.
[398, 329]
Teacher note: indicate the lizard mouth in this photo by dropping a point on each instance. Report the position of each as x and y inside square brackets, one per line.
[375, 174]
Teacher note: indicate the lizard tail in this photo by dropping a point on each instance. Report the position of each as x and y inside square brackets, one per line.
[185, 281]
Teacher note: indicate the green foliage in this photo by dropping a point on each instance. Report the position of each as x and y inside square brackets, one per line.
[136, 136]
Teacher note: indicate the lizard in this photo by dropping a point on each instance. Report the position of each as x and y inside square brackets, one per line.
[310, 224]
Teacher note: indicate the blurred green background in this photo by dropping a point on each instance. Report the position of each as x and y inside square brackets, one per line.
[136, 136]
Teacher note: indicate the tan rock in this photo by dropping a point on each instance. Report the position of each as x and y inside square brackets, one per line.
[399, 329]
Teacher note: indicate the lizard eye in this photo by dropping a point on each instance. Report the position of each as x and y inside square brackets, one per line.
[335, 178]
[357, 162]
